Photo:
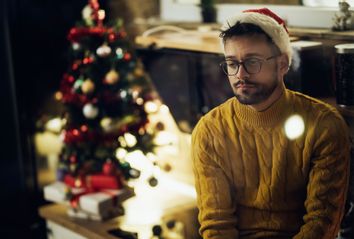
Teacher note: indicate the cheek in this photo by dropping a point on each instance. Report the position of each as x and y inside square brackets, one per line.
[232, 79]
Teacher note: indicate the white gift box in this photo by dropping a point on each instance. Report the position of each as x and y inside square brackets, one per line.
[97, 203]
[105, 201]
[55, 192]
[78, 213]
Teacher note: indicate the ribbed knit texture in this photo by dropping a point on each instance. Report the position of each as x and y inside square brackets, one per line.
[254, 182]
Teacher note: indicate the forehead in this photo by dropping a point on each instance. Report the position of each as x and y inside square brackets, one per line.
[240, 46]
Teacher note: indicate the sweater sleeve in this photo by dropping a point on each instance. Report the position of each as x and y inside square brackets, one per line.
[328, 179]
[214, 191]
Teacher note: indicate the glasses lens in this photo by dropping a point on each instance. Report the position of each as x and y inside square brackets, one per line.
[229, 67]
[252, 66]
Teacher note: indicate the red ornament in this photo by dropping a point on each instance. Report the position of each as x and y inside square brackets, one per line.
[75, 66]
[84, 128]
[108, 168]
[87, 60]
[69, 78]
[122, 34]
[127, 56]
[112, 37]
[75, 132]
[73, 159]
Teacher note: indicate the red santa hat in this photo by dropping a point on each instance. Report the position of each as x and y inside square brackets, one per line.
[269, 22]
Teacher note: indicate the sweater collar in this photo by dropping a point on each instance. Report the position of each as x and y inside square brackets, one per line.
[268, 117]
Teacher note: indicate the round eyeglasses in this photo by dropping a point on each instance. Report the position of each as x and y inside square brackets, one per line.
[251, 65]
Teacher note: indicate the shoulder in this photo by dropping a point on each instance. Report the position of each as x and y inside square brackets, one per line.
[313, 106]
[322, 116]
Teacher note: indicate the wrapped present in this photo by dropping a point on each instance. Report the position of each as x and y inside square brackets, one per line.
[56, 192]
[94, 182]
[100, 203]
[103, 181]
[71, 181]
[79, 213]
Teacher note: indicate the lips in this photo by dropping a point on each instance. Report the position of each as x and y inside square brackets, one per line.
[244, 86]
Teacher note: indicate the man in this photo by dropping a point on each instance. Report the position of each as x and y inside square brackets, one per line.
[269, 163]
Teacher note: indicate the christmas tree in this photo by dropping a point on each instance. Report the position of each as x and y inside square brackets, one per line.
[107, 97]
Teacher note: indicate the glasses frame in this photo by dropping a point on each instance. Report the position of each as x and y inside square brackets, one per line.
[223, 65]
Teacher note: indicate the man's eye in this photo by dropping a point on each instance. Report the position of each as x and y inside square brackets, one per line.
[252, 61]
[232, 64]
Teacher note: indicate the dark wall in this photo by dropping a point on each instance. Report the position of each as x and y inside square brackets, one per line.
[33, 50]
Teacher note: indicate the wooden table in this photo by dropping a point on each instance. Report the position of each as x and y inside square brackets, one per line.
[169, 200]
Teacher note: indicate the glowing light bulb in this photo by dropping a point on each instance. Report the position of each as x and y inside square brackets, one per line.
[130, 139]
[54, 125]
[121, 153]
[150, 107]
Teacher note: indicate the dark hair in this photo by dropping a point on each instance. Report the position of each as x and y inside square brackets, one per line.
[245, 29]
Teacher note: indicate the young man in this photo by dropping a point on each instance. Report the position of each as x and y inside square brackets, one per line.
[269, 163]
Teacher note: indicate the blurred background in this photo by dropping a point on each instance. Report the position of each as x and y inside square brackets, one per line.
[183, 68]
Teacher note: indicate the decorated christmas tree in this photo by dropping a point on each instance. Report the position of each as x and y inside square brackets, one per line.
[106, 93]
[107, 98]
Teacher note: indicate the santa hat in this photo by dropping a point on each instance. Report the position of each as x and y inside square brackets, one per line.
[269, 22]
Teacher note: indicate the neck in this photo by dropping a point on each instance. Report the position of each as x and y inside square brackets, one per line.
[277, 93]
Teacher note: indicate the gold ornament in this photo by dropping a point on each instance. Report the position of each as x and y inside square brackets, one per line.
[112, 77]
[138, 72]
[88, 86]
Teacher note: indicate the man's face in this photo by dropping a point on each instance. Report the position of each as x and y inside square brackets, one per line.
[253, 89]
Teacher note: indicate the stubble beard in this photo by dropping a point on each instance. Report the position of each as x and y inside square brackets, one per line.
[257, 94]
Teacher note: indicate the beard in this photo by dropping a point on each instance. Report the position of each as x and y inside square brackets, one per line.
[257, 93]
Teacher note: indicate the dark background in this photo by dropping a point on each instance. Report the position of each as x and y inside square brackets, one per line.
[33, 58]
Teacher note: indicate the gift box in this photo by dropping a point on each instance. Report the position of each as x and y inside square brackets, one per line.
[56, 192]
[79, 213]
[94, 182]
[103, 181]
[99, 203]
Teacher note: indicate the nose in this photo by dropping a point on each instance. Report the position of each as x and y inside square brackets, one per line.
[242, 73]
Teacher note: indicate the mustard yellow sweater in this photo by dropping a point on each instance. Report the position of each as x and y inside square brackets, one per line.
[254, 182]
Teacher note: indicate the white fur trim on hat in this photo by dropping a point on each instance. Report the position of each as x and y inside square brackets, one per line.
[269, 25]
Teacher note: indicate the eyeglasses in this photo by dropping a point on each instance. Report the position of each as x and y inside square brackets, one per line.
[251, 65]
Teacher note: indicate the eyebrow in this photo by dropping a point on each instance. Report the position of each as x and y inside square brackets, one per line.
[246, 56]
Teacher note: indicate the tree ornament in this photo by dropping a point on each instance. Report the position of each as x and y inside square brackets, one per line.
[120, 53]
[108, 168]
[130, 77]
[153, 181]
[76, 46]
[106, 124]
[138, 72]
[87, 15]
[127, 56]
[90, 111]
[112, 37]
[78, 83]
[134, 173]
[111, 77]
[73, 159]
[88, 60]
[104, 50]
[166, 167]
[123, 94]
[160, 126]
[88, 86]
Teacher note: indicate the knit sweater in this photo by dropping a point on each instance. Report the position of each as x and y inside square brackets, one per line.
[254, 182]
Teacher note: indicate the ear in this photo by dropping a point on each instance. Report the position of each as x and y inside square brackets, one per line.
[283, 64]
